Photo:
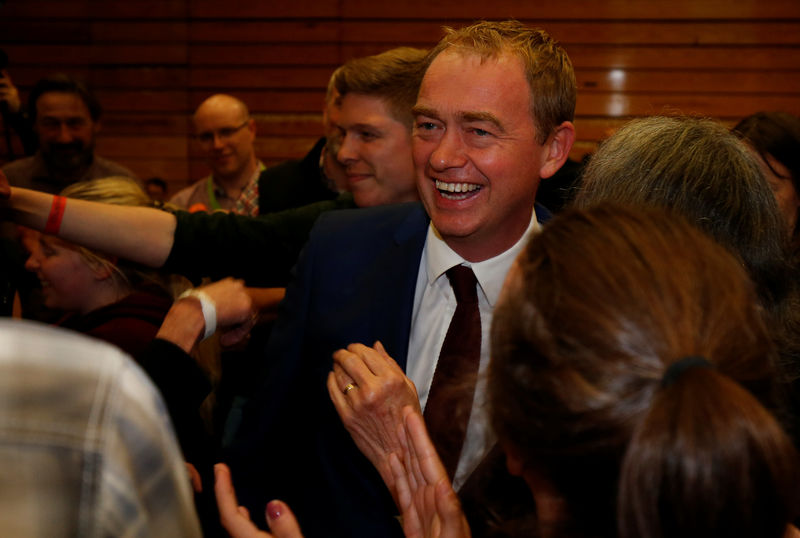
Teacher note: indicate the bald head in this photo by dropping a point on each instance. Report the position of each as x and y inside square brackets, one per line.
[226, 134]
[221, 103]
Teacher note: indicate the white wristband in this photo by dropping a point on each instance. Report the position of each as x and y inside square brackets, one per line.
[208, 307]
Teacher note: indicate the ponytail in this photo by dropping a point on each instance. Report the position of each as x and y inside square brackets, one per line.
[707, 459]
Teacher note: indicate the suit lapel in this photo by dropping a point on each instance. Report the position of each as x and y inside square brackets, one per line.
[394, 297]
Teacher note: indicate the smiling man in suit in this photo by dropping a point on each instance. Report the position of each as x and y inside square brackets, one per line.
[492, 118]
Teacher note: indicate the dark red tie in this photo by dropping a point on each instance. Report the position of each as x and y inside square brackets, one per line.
[453, 387]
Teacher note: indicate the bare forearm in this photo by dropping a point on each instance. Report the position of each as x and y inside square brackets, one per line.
[140, 234]
[183, 324]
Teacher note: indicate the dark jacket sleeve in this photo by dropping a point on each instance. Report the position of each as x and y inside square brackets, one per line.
[184, 387]
[261, 250]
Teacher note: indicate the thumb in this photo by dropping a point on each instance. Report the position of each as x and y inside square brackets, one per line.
[281, 520]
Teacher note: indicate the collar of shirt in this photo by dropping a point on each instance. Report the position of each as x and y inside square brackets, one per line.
[439, 257]
[219, 192]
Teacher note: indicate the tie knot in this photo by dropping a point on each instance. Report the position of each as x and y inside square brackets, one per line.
[463, 281]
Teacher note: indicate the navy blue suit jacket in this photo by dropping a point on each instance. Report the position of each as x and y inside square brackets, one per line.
[354, 282]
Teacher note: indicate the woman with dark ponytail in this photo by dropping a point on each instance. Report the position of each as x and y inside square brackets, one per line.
[631, 383]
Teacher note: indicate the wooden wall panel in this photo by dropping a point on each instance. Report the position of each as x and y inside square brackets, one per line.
[153, 61]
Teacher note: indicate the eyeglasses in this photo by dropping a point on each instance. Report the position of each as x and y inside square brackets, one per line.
[224, 134]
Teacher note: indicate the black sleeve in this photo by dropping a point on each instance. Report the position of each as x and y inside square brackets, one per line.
[184, 387]
[261, 250]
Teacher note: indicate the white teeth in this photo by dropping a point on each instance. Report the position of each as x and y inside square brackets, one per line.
[456, 187]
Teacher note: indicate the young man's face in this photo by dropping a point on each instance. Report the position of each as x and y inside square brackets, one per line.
[66, 130]
[477, 158]
[375, 150]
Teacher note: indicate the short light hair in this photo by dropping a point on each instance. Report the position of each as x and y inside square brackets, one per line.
[116, 190]
[547, 66]
[394, 76]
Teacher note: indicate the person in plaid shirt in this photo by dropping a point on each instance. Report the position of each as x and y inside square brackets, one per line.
[225, 133]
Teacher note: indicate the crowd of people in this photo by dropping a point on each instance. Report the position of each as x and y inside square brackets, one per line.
[413, 339]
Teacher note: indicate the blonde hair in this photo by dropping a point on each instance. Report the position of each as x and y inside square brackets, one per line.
[115, 190]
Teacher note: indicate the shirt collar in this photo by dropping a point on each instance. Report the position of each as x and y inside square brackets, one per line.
[489, 273]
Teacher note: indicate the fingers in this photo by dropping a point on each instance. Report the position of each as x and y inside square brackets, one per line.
[338, 398]
[451, 517]
[353, 366]
[281, 520]
[342, 377]
[194, 478]
[233, 335]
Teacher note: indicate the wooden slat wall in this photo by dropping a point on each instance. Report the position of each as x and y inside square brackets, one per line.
[153, 61]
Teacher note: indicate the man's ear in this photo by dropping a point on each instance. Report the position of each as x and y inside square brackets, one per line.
[96, 127]
[557, 149]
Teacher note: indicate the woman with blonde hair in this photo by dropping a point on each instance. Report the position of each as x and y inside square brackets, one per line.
[103, 296]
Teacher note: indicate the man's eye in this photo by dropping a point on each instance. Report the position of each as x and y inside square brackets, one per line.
[76, 123]
[426, 126]
[368, 135]
[481, 132]
[205, 137]
[226, 132]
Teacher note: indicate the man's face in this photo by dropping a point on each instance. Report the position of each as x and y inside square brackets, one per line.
[477, 160]
[66, 130]
[225, 137]
[375, 150]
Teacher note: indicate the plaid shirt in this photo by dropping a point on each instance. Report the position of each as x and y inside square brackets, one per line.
[85, 441]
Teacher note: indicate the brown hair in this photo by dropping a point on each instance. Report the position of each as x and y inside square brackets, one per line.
[547, 66]
[602, 302]
[394, 75]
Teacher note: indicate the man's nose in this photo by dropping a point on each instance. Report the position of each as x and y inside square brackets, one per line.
[449, 153]
[218, 142]
[64, 134]
[348, 150]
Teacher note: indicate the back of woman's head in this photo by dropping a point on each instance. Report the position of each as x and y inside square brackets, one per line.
[596, 309]
[699, 170]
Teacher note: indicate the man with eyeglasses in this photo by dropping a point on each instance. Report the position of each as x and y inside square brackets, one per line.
[66, 119]
[225, 133]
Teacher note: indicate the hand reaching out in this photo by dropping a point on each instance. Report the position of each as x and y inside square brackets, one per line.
[369, 391]
[236, 519]
[427, 501]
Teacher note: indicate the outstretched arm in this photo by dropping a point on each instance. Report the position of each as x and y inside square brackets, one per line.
[140, 234]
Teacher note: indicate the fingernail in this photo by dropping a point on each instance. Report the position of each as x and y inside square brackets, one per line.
[274, 510]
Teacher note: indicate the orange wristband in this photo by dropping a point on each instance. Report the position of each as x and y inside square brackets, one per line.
[56, 214]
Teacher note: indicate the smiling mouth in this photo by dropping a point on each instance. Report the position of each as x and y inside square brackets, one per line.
[354, 178]
[456, 191]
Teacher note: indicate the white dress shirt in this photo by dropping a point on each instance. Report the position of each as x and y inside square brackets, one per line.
[434, 305]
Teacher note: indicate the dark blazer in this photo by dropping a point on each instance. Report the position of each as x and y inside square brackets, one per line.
[354, 282]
